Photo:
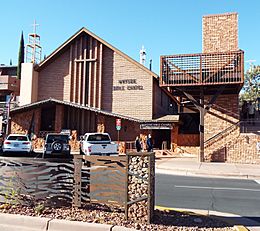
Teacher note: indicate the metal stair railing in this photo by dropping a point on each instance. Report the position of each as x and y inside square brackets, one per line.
[224, 132]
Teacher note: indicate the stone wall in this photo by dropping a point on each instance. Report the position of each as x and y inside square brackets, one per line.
[224, 115]
[243, 149]
[21, 122]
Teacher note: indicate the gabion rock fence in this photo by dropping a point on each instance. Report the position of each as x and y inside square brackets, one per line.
[123, 181]
[140, 190]
[127, 181]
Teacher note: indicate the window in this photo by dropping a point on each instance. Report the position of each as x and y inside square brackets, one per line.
[98, 137]
[18, 138]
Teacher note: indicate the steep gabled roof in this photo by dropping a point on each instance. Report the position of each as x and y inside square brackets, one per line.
[84, 30]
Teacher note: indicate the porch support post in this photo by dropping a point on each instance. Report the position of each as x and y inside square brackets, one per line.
[201, 128]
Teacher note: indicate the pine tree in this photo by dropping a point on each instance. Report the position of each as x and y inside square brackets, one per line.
[251, 88]
[20, 57]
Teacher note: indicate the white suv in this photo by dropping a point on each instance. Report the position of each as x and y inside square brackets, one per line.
[17, 143]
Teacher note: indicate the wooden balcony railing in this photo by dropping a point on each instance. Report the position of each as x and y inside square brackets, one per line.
[202, 69]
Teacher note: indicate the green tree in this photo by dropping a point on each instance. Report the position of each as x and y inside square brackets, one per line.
[251, 88]
[20, 57]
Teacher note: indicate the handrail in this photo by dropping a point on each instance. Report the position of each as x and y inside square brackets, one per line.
[221, 133]
[202, 69]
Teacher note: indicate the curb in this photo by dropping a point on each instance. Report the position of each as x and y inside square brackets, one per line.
[183, 172]
[11, 222]
[206, 213]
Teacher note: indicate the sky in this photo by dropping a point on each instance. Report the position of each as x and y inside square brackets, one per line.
[164, 27]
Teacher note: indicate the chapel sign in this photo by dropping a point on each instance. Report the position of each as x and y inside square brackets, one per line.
[127, 84]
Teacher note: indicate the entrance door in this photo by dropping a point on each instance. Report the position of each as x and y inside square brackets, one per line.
[161, 135]
[48, 118]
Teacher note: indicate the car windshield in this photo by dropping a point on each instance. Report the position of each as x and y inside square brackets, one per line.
[98, 137]
[18, 138]
[53, 138]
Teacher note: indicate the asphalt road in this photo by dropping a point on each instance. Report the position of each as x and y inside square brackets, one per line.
[241, 197]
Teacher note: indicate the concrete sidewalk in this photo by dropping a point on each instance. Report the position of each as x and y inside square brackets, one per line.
[189, 166]
[15, 222]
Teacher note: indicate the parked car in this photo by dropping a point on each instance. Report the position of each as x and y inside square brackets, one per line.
[97, 144]
[57, 143]
[17, 143]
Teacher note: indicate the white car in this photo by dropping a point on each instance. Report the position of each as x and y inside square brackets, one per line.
[17, 143]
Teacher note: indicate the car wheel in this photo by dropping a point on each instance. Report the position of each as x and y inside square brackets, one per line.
[56, 146]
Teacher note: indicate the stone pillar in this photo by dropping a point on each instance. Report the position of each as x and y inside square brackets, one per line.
[220, 32]
[174, 137]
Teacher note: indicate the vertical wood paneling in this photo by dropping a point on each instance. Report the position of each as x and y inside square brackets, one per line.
[80, 73]
[75, 72]
[84, 72]
[71, 70]
[100, 76]
[90, 73]
[70, 73]
[95, 74]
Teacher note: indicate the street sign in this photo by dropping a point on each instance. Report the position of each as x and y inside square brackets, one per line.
[118, 124]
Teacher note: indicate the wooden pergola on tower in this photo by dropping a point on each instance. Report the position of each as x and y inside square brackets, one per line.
[218, 70]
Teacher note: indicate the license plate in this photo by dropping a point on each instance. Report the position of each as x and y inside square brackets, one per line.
[16, 145]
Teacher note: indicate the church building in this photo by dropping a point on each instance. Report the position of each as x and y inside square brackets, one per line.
[85, 85]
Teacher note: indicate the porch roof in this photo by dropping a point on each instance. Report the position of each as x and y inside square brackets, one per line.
[52, 100]
[163, 119]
